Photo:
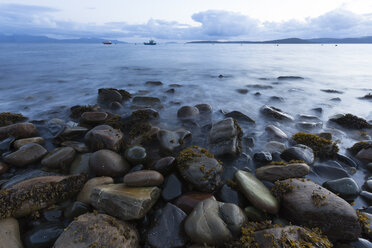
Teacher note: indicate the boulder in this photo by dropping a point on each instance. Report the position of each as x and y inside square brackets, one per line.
[168, 231]
[147, 101]
[37, 193]
[78, 146]
[365, 154]
[106, 96]
[172, 188]
[214, 223]
[94, 117]
[239, 116]
[275, 113]
[225, 138]
[18, 131]
[20, 142]
[198, 167]
[188, 112]
[188, 202]
[275, 146]
[108, 163]
[345, 187]
[43, 235]
[298, 152]
[98, 230]
[86, 191]
[143, 178]
[351, 121]
[279, 172]
[256, 192]
[80, 164]
[27, 154]
[59, 158]
[173, 141]
[104, 137]
[309, 204]
[124, 202]
[276, 132]
[9, 234]
[135, 155]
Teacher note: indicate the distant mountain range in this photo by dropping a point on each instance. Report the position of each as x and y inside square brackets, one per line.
[360, 40]
[44, 39]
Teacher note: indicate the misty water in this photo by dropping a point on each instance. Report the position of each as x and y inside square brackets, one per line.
[43, 81]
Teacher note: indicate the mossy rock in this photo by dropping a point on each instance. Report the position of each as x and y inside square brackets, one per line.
[322, 148]
[7, 118]
[351, 121]
[357, 147]
[78, 110]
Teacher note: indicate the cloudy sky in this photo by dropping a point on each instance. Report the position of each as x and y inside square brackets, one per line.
[137, 20]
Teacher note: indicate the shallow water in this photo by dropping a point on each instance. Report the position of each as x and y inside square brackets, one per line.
[44, 80]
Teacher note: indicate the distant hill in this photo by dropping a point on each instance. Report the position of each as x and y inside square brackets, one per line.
[44, 39]
[360, 40]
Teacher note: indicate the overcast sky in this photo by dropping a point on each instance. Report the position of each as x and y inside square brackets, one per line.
[187, 19]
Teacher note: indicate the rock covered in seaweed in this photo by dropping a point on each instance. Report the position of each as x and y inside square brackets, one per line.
[7, 118]
[351, 121]
[198, 167]
[98, 230]
[37, 193]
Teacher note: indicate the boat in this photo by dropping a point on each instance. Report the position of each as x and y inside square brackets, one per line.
[107, 43]
[151, 42]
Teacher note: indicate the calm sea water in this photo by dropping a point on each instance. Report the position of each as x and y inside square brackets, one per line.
[44, 79]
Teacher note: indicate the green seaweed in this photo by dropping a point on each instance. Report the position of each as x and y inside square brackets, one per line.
[322, 148]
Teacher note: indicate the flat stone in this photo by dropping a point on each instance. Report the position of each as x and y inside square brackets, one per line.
[275, 113]
[123, 202]
[311, 205]
[345, 187]
[94, 117]
[18, 131]
[72, 133]
[214, 222]
[256, 192]
[154, 83]
[275, 146]
[330, 172]
[104, 137]
[37, 140]
[99, 230]
[80, 164]
[307, 125]
[59, 158]
[146, 101]
[27, 154]
[168, 231]
[299, 152]
[273, 173]
[187, 202]
[37, 193]
[9, 234]
[108, 163]
[143, 178]
[276, 132]
[43, 235]
[225, 138]
[86, 191]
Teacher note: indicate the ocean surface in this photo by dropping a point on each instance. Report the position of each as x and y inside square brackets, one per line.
[44, 80]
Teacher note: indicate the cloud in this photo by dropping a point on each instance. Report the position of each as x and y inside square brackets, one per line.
[212, 24]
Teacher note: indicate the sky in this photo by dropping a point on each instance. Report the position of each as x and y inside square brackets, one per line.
[137, 20]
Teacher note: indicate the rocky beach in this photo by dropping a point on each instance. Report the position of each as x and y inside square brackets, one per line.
[134, 169]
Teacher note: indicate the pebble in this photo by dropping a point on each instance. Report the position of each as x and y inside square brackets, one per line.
[26, 155]
[59, 158]
[135, 155]
[37, 140]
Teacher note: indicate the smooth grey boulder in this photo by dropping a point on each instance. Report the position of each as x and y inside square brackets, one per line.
[104, 137]
[27, 154]
[225, 138]
[59, 158]
[309, 204]
[299, 152]
[108, 96]
[345, 187]
[280, 172]
[126, 203]
[108, 163]
[214, 223]
[275, 146]
[276, 132]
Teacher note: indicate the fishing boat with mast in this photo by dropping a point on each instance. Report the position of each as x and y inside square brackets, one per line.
[150, 43]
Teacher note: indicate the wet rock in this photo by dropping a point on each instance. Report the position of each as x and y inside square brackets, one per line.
[335, 99]
[276, 132]
[27, 154]
[306, 203]
[76, 209]
[86, 191]
[275, 146]
[116, 105]
[239, 116]
[98, 230]
[256, 192]
[77, 146]
[242, 91]
[361, 243]
[303, 117]
[330, 172]
[273, 173]
[172, 188]
[332, 91]
[187, 202]
[3, 168]
[275, 113]
[25, 175]
[123, 202]
[108, 96]
[170, 91]
[346, 188]
[37, 140]
[225, 138]
[135, 155]
[104, 137]
[5, 145]
[59, 158]
[154, 83]
[253, 214]
[214, 222]
[172, 141]
[80, 164]
[168, 231]
[18, 131]
[108, 163]
[309, 125]
[260, 86]
[72, 133]
[9, 234]
[143, 178]
[198, 167]
[164, 165]
[146, 114]
[37, 193]
[351, 121]
[262, 158]
[188, 112]
[277, 99]
[299, 152]
[94, 117]
[44, 235]
[294, 235]
[52, 215]
[365, 154]
[204, 108]
[229, 195]
[290, 78]
[322, 148]
[147, 101]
